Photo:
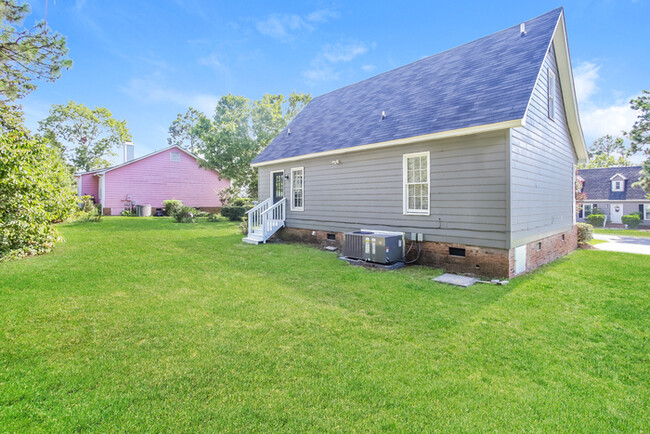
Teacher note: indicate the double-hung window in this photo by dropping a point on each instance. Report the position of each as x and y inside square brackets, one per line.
[416, 183]
[588, 209]
[646, 213]
[298, 189]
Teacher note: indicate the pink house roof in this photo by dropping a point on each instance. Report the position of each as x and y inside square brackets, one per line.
[117, 166]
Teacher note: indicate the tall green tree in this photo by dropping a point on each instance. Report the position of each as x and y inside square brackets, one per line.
[27, 54]
[640, 134]
[607, 146]
[607, 151]
[604, 160]
[240, 129]
[181, 131]
[35, 189]
[85, 137]
[640, 137]
[644, 178]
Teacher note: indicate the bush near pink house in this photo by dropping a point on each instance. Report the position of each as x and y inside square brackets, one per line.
[171, 173]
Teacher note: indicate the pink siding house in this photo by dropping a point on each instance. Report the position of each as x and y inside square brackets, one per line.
[171, 173]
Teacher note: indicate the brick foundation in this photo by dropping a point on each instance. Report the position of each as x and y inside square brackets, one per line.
[484, 261]
[311, 237]
[550, 249]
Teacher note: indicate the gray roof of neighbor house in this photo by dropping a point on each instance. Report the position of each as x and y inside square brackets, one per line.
[598, 184]
[484, 82]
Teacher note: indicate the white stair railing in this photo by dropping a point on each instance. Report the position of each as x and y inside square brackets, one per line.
[255, 222]
[273, 218]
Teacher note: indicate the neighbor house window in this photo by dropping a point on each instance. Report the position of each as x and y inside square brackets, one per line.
[416, 183]
[617, 185]
[588, 209]
[646, 214]
[551, 94]
[174, 156]
[298, 189]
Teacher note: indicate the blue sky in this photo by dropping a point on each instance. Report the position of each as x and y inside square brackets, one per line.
[147, 61]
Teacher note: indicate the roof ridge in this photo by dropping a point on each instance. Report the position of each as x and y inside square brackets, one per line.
[438, 54]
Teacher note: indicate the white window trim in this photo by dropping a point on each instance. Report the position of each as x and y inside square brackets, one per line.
[646, 211]
[173, 154]
[551, 94]
[618, 189]
[407, 211]
[271, 181]
[302, 170]
[584, 209]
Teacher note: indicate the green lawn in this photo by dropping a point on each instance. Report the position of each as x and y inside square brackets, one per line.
[623, 232]
[148, 325]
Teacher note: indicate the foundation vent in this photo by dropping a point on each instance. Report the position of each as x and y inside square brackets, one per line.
[457, 251]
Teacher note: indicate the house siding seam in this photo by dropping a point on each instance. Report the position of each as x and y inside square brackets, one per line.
[542, 160]
[467, 199]
[156, 178]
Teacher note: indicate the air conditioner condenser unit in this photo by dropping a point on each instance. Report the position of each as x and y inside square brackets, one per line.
[374, 246]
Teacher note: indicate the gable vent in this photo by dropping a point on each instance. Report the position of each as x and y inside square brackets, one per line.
[522, 29]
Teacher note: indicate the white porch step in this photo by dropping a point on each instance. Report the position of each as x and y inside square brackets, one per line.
[253, 239]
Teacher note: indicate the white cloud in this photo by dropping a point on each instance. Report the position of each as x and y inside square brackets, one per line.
[585, 76]
[150, 91]
[599, 114]
[321, 68]
[212, 61]
[320, 72]
[612, 119]
[368, 68]
[322, 15]
[285, 27]
[343, 52]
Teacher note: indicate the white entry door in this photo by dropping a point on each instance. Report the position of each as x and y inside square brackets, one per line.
[616, 212]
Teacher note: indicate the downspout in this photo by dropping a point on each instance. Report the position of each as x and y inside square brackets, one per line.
[102, 192]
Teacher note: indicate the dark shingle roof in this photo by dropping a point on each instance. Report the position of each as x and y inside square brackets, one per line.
[486, 81]
[597, 184]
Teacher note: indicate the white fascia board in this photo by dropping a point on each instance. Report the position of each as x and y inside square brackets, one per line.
[405, 141]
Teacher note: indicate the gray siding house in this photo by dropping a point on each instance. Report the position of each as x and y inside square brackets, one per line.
[610, 190]
[472, 149]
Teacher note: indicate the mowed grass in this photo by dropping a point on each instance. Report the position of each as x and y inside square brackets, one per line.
[623, 232]
[148, 325]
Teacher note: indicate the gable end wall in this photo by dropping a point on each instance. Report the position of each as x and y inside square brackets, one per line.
[542, 160]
